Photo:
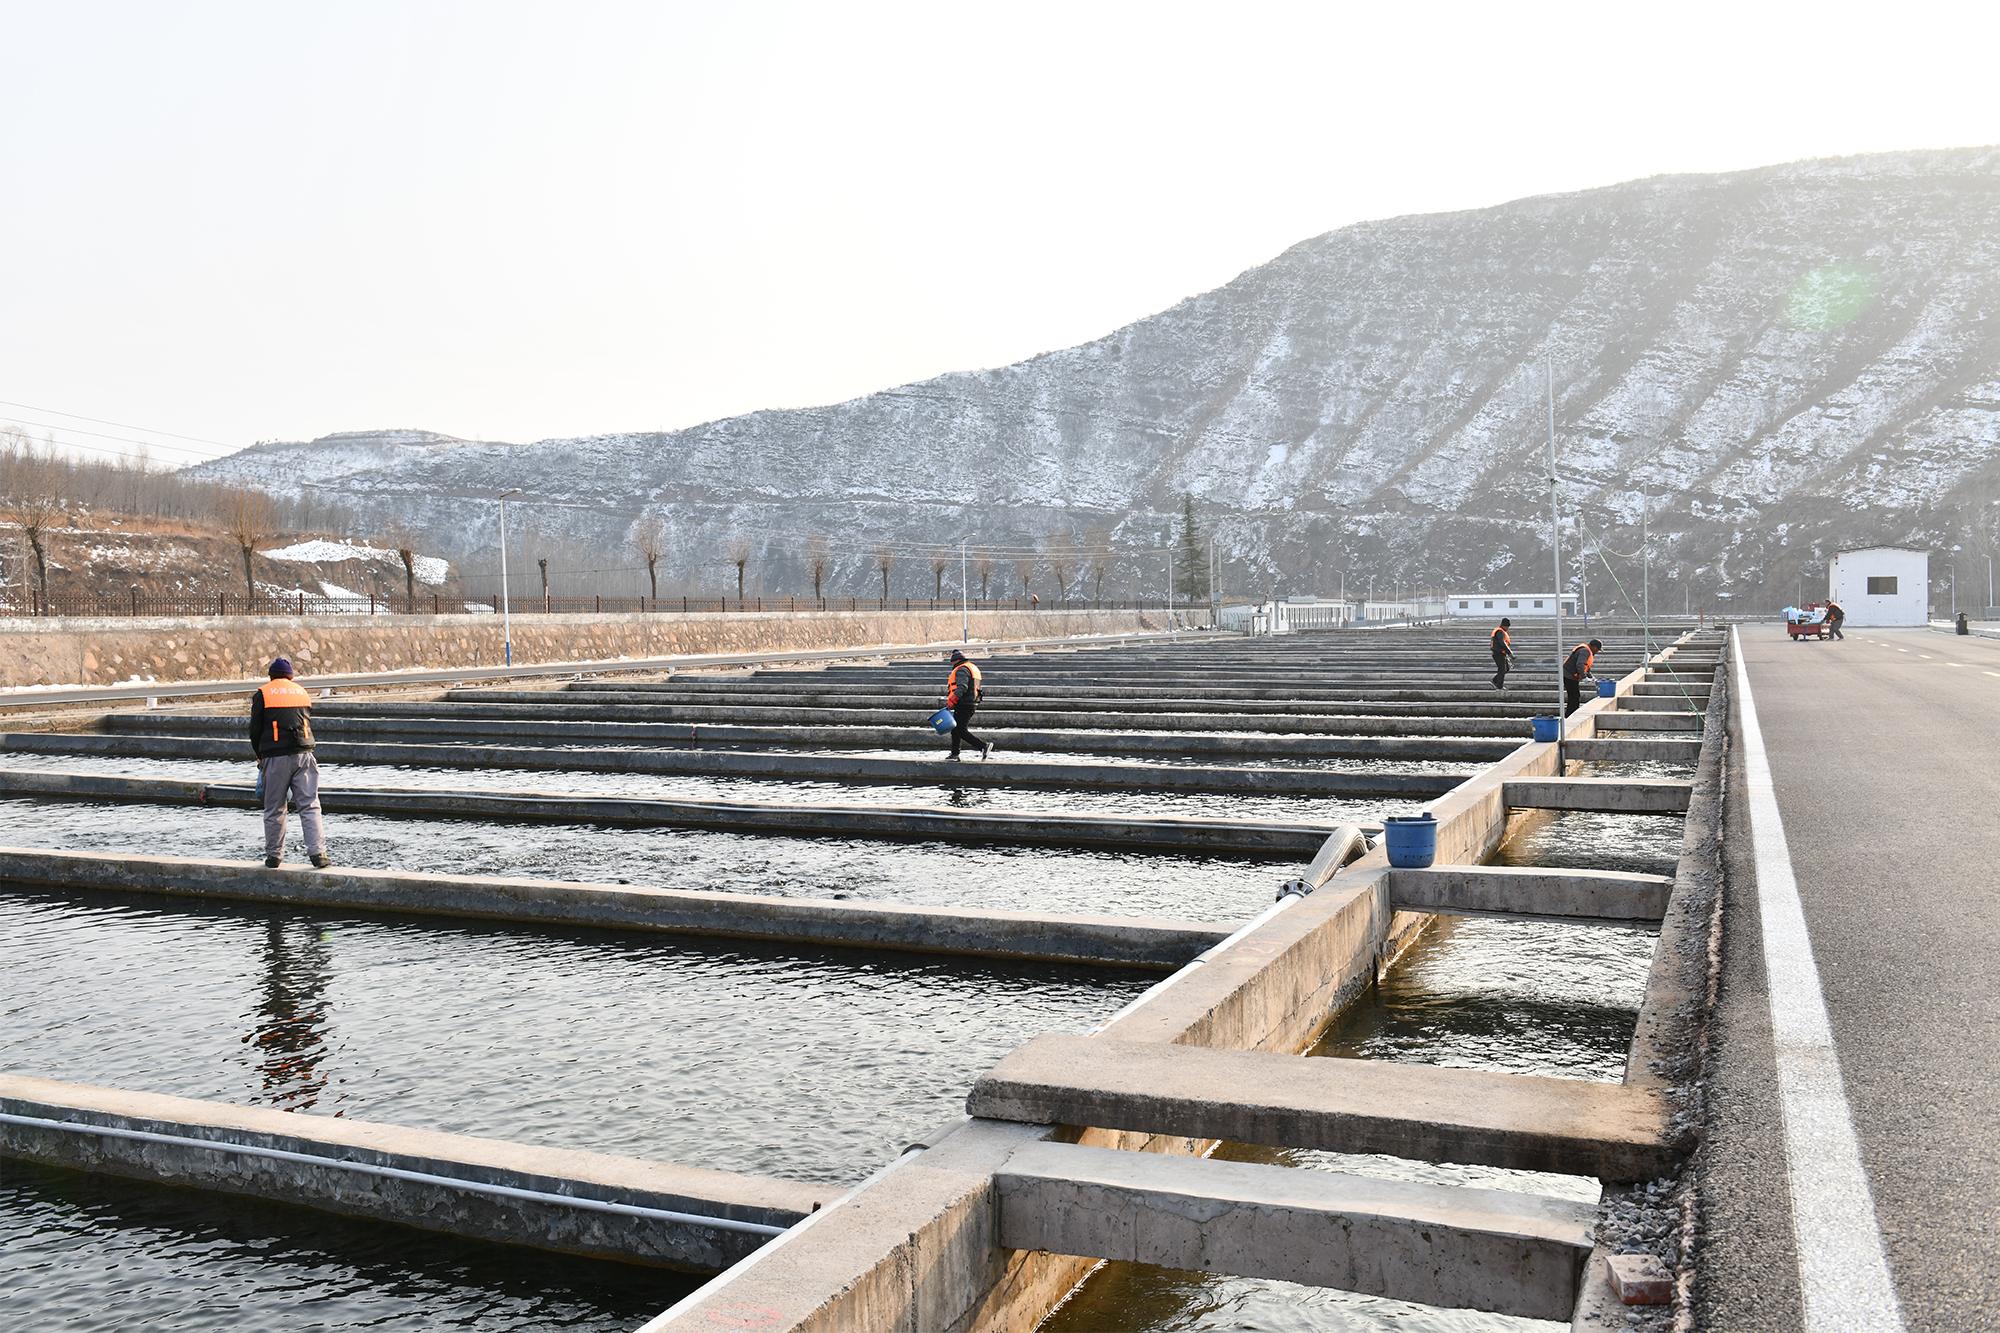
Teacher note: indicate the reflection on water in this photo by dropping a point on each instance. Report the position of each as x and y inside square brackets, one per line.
[96, 1254]
[1523, 997]
[289, 1036]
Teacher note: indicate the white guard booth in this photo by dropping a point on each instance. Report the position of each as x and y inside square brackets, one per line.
[1882, 585]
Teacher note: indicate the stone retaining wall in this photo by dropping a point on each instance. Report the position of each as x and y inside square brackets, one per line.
[111, 651]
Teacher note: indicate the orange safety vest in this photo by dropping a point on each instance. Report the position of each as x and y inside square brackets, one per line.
[284, 693]
[1502, 639]
[951, 699]
[1589, 659]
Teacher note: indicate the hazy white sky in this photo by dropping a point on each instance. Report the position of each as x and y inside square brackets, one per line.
[510, 220]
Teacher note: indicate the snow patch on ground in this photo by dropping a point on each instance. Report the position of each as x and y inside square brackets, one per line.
[430, 570]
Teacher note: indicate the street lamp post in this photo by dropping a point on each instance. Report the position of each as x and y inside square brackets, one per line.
[506, 607]
[1555, 541]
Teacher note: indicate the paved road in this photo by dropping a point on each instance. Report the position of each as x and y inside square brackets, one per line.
[1885, 755]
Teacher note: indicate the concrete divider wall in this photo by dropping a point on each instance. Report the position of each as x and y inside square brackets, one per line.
[328, 1185]
[105, 652]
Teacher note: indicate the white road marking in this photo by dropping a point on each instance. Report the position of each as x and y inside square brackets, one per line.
[1993, 673]
[1843, 1273]
[1902, 650]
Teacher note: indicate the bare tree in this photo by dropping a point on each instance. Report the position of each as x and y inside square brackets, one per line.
[818, 556]
[404, 545]
[649, 538]
[1061, 554]
[35, 500]
[885, 559]
[939, 564]
[542, 567]
[983, 566]
[1024, 570]
[247, 519]
[739, 556]
[1098, 542]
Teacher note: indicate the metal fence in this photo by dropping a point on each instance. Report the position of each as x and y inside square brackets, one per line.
[138, 603]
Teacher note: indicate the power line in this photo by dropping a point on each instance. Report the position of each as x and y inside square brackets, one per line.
[102, 435]
[122, 425]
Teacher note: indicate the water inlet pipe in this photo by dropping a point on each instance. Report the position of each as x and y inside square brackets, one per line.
[400, 1173]
[699, 1294]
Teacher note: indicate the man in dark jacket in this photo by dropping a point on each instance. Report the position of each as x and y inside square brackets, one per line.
[961, 696]
[1576, 669]
[1503, 653]
[281, 734]
[1834, 617]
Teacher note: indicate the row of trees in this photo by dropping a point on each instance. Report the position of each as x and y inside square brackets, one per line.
[44, 492]
[1071, 564]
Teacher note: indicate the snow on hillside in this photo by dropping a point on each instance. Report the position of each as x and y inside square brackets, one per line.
[1810, 345]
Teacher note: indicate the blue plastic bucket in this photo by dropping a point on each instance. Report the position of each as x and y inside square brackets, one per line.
[1547, 728]
[942, 721]
[1607, 689]
[1413, 840]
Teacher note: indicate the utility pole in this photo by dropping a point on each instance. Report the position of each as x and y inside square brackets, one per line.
[1214, 599]
[506, 607]
[1556, 539]
[964, 612]
[1645, 579]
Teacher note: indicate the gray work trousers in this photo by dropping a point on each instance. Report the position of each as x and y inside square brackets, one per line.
[293, 778]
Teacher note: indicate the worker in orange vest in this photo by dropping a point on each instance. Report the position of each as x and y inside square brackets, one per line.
[1503, 653]
[282, 736]
[1576, 669]
[961, 695]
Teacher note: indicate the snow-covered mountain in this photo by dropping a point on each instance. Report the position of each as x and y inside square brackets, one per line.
[1787, 361]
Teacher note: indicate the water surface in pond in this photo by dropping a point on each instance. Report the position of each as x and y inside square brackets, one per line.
[1028, 879]
[743, 1058]
[96, 1254]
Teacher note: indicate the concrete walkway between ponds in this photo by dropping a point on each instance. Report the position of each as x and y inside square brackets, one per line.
[903, 823]
[1504, 1251]
[1524, 1123]
[1102, 941]
[585, 1203]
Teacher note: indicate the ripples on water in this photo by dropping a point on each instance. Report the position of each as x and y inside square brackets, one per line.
[1031, 879]
[1523, 997]
[95, 1254]
[747, 1059]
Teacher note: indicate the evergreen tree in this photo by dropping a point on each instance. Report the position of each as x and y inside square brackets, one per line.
[1190, 557]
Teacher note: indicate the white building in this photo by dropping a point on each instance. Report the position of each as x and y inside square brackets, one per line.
[1402, 608]
[1882, 585]
[1287, 617]
[1493, 605]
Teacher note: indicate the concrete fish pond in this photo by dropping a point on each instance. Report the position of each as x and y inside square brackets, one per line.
[658, 970]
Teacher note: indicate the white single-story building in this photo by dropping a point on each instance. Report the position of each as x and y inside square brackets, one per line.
[1288, 616]
[1492, 605]
[1882, 585]
[1402, 608]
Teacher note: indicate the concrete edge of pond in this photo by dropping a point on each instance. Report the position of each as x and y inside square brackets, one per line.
[575, 1202]
[1101, 941]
